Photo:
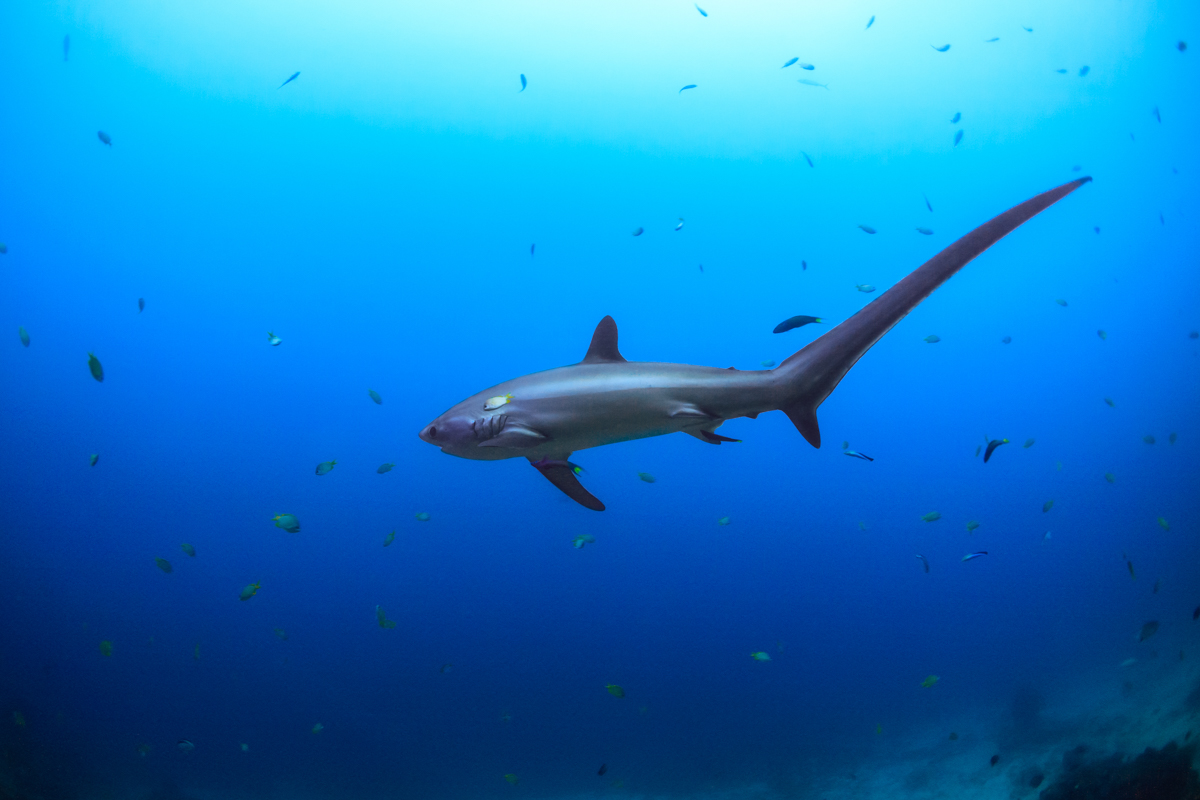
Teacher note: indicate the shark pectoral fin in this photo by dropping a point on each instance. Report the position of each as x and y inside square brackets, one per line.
[515, 436]
[716, 438]
[804, 417]
[559, 472]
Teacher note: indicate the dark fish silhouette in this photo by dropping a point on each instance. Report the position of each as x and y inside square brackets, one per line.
[790, 61]
[289, 80]
[604, 767]
[1084, 70]
[941, 49]
[927, 203]
[703, 13]
[1196, 614]
[104, 137]
[995, 760]
[958, 138]
[531, 249]
[924, 562]
[1157, 116]
[992, 445]
[524, 83]
[806, 158]
[1148, 630]
[957, 116]
[870, 22]
[856, 454]
[795, 322]
[689, 86]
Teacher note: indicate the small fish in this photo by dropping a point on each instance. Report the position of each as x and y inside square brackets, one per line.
[196, 653]
[685, 88]
[614, 690]
[1196, 614]
[925, 231]
[23, 334]
[382, 619]
[1172, 438]
[647, 477]
[760, 656]
[325, 467]
[927, 203]
[1061, 71]
[978, 447]
[1129, 564]
[795, 322]
[1181, 46]
[249, 591]
[878, 728]
[374, 395]
[870, 22]
[1027, 30]
[382, 468]
[723, 521]
[422, 516]
[288, 522]
[95, 368]
[1157, 116]
[971, 526]
[932, 516]
[957, 116]
[281, 634]
[187, 548]
[93, 458]
[1157, 586]
[993, 39]
[185, 745]
[1162, 523]
[855, 454]
[809, 67]
[524, 83]
[104, 137]
[66, 47]
[866, 229]
[603, 769]
[1108, 401]
[991, 448]
[1046, 506]
[584, 538]
[445, 668]
[930, 681]
[511, 778]
[143, 749]
[790, 61]
[638, 231]
[768, 363]
[924, 561]
[941, 49]
[1006, 340]
[808, 82]
[245, 748]
[289, 80]
[1148, 630]
[493, 403]
[932, 339]
[953, 736]
[958, 137]
[163, 564]
[1108, 476]
[1148, 439]
[141, 304]
[810, 164]
[391, 537]
[106, 648]
[865, 288]
[1129, 662]
[972, 556]
[1046, 537]
[679, 227]
[862, 526]
[703, 13]
[995, 760]
[1084, 70]
[317, 728]
[845, 445]
[1028, 443]
[532, 247]
[273, 340]
[1061, 302]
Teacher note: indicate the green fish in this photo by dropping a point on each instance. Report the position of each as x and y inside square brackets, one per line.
[391, 537]
[723, 521]
[925, 231]
[384, 468]
[1148, 439]
[930, 681]
[163, 564]
[760, 656]
[24, 334]
[325, 467]
[1046, 506]
[281, 633]
[932, 516]
[250, 590]
[932, 339]
[1162, 523]
[422, 516]
[1028, 443]
[614, 690]
[647, 477]
[384, 622]
[1108, 476]
[106, 648]
[93, 458]
[1102, 334]
[96, 370]
[511, 778]
[866, 288]
[978, 447]
[288, 522]
[3, 248]
[971, 526]
[196, 653]
[582, 539]
[187, 548]
[318, 728]
[143, 749]
[866, 229]
[1109, 402]
[375, 396]
[1061, 302]
[1172, 438]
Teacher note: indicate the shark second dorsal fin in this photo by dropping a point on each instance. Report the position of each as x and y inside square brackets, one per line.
[604, 344]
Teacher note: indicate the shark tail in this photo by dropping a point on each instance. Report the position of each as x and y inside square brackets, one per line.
[811, 374]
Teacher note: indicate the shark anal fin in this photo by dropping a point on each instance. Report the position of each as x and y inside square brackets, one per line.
[804, 417]
[603, 348]
[562, 476]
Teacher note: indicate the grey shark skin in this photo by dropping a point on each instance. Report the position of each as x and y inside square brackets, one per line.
[605, 399]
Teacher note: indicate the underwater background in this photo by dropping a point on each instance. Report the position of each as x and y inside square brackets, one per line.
[408, 219]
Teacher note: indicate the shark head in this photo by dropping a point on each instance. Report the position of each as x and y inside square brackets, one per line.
[483, 428]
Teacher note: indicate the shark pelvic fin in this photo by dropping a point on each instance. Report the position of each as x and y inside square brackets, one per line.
[559, 472]
[604, 344]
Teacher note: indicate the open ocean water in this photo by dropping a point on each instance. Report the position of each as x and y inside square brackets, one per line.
[446, 197]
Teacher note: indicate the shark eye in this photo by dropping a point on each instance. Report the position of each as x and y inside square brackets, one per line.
[433, 431]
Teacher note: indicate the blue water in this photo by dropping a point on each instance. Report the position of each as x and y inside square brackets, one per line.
[377, 214]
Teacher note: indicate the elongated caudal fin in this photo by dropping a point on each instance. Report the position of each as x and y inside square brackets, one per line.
[812, 373]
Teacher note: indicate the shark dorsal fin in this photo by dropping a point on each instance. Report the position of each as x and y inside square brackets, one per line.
[604, 344]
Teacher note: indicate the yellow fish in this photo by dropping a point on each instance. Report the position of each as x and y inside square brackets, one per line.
[493, 403]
